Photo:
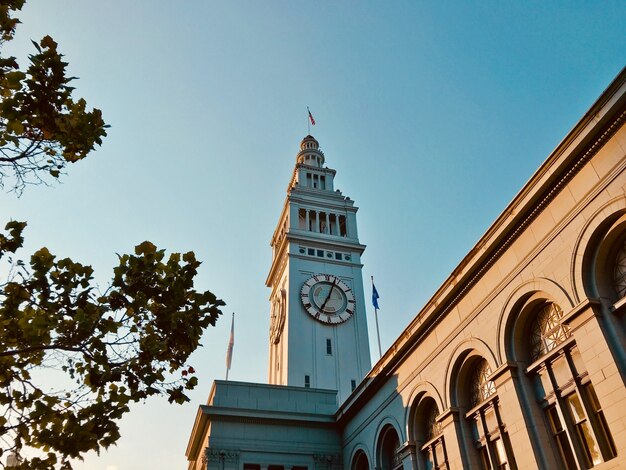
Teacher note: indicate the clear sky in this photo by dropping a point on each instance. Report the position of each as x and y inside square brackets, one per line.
[434, 115]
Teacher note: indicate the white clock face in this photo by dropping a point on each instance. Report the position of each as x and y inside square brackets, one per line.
[327, 299]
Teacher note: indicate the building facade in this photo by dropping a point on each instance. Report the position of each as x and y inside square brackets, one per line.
[517, 361]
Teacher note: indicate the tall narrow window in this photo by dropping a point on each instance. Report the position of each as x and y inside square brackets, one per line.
[565, 392]
[342, 226]
[307, 381]
[619, 272]
[322, 182]
[333, 224]
[323, 226]
[488, 431]
[353, 384]
[301, 219]
[312, 221]
[309, 180]
[429, 436]
[329, 347]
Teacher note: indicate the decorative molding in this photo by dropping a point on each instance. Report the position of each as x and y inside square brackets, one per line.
[214, 454]
[508, 366]
[328, 461]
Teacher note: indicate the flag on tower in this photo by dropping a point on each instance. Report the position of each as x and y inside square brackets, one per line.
[375, 296]
[231, 343]
[310, 116]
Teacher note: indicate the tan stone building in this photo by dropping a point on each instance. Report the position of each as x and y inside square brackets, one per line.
[517, 362]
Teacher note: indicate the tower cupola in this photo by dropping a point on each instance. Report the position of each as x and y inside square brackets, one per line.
[310, 153]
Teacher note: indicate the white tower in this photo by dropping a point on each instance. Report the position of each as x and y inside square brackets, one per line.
[318, 332]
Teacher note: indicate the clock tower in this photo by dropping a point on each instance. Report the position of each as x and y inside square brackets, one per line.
[318, 330]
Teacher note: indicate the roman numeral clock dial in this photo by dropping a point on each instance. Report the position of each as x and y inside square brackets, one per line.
[327, 299]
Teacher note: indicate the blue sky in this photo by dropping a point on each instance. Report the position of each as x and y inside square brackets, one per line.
[434, 115]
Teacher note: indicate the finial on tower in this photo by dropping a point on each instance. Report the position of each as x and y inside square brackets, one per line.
[310, 153]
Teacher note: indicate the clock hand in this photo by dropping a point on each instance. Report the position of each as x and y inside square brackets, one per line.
[329, 294]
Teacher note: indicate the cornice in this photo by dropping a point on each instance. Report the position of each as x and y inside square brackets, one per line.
[320, 239]
[255, 416]
[321, 198]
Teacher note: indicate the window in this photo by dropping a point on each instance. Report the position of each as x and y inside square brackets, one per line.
[353, 384]
[619, 273]
[311, 252]
[547, 332]
[320, 253]
[307, 381]
[329, 347]
[342, 226]
[388, 444]
[488, 431]
[323, 226]
[564, 391]
[429, 436]
[338, 256]
[301, 219]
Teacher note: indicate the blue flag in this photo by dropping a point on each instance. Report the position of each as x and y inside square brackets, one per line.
[375, 296]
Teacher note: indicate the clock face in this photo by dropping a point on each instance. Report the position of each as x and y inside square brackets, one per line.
[327, 299]
[277, 321]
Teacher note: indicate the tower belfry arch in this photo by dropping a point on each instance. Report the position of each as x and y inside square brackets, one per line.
[318, 328]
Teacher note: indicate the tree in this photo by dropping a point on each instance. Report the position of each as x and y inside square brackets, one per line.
[42, 128]
[111, 348]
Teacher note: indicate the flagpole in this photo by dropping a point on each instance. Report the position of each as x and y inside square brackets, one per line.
[380, 351]
[231, 343]
[308, 120]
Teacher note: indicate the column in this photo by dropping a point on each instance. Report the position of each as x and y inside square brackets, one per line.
[453, 435]
[406, 455]
[589, 329]
[306, 220]
[327, 223]
[520, 416]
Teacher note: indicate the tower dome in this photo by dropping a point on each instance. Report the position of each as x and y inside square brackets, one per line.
[310, 153]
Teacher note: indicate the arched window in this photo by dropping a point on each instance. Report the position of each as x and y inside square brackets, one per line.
[564, 391]
[547, 332]
[429, 437]
[388, 444]
[360, 462]
[619, 271]
[488, 431]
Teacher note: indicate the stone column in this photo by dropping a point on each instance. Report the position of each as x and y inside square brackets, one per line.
[327, 223]
[519, 416]
[450, 428]
[306, 220]
[588, 327]
[406, 455]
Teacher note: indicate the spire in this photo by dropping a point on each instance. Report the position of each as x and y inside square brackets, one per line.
[310, 153]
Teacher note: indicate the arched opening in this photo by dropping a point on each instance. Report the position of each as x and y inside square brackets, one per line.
[485, 438]
[572, 415]
[428, 437]
[360, 462]
[388, 443]
[604, 264]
